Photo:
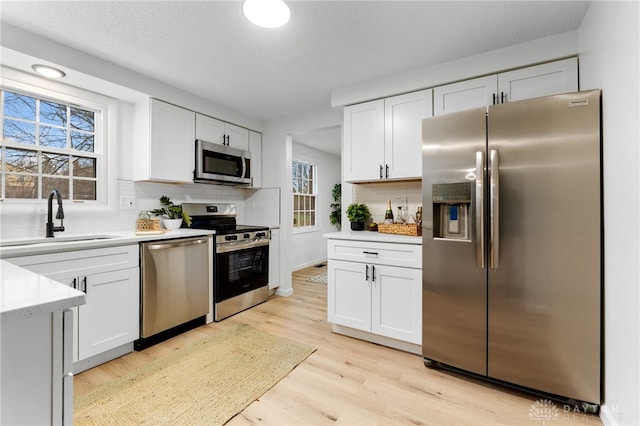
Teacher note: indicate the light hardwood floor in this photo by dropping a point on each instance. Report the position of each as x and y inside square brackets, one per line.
[348, 381]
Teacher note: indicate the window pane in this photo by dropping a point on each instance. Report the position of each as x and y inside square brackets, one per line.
[84, 167]
[53, 113]
[19, 131]
[19, 106]
[313, 203]
[312, 219]
[53, 136]
[55, 164]
[21, 186]
[22, 161]
[82, 141]
[84, 189]
[295, 219]
[51, 183]
[82, 120]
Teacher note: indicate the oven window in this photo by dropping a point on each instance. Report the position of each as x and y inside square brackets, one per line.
[240, 271]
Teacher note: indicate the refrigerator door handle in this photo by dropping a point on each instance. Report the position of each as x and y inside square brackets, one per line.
[479, 210]
[494, 209]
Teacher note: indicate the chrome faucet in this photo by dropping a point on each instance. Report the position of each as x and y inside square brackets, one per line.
[59, 215]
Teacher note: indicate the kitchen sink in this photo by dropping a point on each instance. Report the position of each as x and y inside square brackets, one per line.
[55, 240]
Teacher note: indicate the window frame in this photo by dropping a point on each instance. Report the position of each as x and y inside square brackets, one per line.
[314, 193]
[72, 98]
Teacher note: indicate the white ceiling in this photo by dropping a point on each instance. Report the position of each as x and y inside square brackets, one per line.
[209, 49]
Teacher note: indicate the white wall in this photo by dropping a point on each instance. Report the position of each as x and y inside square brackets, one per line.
[310, 248]
[277, 151]
[608, 43]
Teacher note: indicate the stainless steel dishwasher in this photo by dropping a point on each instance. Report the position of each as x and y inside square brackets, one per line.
[176, 278]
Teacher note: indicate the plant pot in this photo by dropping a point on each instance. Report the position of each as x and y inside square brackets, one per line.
[172, 223]
[357, 226]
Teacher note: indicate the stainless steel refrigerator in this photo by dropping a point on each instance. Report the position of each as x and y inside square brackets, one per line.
[512, 243]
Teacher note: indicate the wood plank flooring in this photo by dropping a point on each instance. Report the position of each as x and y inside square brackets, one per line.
[348, 381]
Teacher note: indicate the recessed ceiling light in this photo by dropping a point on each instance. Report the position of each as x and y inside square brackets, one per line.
[266, 13]
[48, 71]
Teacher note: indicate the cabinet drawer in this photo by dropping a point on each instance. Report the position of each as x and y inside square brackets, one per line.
[406, 255]
[91, 261]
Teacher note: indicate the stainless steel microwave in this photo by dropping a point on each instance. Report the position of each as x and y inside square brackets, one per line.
[221, 164]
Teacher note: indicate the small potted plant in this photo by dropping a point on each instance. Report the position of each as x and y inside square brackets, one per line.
[358, 213]
[172, 214]
[336, 215]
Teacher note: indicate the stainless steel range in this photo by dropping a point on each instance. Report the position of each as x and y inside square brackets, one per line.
[241, 259]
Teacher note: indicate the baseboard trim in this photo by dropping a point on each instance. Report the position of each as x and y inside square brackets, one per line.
[284, 292]
[380, 340]
[607, 417]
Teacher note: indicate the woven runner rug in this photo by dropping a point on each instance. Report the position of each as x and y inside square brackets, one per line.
[207, 382]
[319, 279]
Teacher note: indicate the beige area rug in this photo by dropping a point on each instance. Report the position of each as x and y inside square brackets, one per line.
[206, 383]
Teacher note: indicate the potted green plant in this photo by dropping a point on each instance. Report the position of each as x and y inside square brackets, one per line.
[172, 214]
[336, 211]
[358, 213]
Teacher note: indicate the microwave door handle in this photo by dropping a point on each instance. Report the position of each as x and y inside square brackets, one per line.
[244, 167]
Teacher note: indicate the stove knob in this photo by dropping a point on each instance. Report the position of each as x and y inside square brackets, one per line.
[231, 237]
[246, 236]
[259, 234]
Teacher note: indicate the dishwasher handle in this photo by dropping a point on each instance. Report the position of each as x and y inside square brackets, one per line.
[175, 244]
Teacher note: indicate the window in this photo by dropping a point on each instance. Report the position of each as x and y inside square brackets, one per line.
[48, 144]
[304, 194]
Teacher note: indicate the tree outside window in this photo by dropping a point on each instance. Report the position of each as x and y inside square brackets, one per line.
[304, 194]
[47, 145]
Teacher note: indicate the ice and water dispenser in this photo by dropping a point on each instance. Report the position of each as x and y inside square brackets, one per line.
[452, 211]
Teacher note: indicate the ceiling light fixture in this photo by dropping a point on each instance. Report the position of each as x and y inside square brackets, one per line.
[266, 13]
[47, 71]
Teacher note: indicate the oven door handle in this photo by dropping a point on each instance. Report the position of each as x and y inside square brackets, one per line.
[225, 248]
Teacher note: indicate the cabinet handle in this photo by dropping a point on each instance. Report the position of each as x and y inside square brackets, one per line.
[386, 166]
[501, 97]
[373, 253]
[380, 171]
[84, 284]
[494, 99]
[366, 273]
[74, 283]
[373, 273]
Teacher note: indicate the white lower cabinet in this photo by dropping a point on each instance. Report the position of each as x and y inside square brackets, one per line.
[37, 379]
[110, 278]
[372, 296]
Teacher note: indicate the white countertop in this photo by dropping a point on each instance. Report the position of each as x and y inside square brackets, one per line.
[373, 236]
[25, 294]
[56, 244]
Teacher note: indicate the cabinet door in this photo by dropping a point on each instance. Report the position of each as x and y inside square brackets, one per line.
[172, 143]
[209, 129]
[547, 79]
[397, 303]
[349, 294]
[403, 133]
[110, 317]
[274, 259]
[463, 95]
[238, 137]
[363, 147]
[255, 148]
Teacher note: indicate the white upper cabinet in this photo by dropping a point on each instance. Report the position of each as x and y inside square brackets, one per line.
[468, 94]
[172, 142]
[363, 155]
[540, 80]
[220, 132]
[403, 116]
[383, 138]
[255, 148]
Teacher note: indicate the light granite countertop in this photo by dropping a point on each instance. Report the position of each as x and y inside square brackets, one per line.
[26, 294]
[62, 242]
[373, 236]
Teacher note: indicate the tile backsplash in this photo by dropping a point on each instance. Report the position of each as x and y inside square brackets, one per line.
[375, 196]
